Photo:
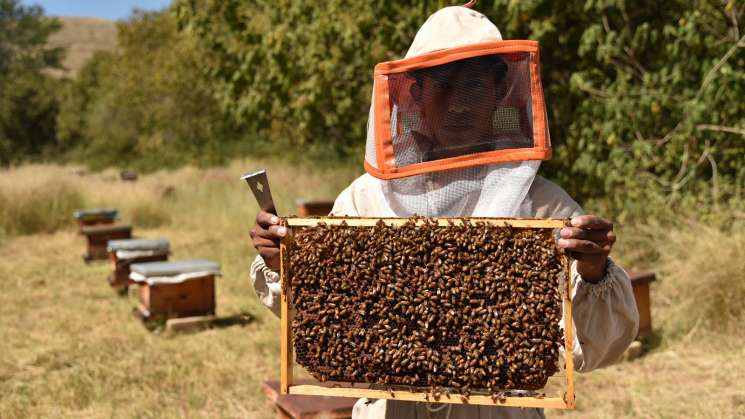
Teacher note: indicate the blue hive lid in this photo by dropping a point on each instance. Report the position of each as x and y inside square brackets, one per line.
[87, 213]
[159, 269]
[157, 245]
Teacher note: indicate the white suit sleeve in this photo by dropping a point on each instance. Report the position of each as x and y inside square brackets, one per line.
[268, 283]
[604, 313]
[605, 318]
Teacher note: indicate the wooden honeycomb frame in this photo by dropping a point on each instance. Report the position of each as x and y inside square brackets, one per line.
[348, 390]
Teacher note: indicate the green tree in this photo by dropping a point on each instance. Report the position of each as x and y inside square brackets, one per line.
[645, 99]
[145, 104]
[23, 36]
[300, 72]
[28, 106]
[77, 98]
[28, 110]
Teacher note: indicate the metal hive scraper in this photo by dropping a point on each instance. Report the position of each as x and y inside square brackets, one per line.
[259, 185]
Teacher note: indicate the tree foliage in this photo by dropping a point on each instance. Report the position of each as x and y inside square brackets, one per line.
[145, 104]
[300, 72]
[77, 99]
[28, 110]
[645, 98]
[23, 35]
[28, 105]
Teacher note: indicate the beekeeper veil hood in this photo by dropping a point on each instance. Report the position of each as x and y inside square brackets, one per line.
[458, 127]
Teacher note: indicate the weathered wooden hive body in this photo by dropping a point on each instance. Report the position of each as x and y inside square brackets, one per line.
[124, 253]
[176, 289]
[95, 216]
[98, 236]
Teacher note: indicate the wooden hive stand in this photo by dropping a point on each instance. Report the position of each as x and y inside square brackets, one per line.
[170, 290]
[563, 399]
[124, 253]
[95, 216]
[307, 407]
[98, 237]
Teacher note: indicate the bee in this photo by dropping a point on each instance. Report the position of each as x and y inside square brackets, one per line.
[432, 291]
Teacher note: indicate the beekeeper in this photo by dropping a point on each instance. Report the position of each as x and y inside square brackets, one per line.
[458, 128]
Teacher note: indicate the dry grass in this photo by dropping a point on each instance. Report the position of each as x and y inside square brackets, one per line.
[692, 379]
[694, 363]
[36, 198]
[701, 268]
[36, 206]
[71, 347]
[82, 37]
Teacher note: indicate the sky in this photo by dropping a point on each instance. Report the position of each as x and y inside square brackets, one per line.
[108, 9]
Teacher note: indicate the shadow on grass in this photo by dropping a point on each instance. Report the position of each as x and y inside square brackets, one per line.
[241, 319]
[160, 324]
[653, 340]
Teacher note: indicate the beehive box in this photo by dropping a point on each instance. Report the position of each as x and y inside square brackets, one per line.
[124, 253]
[178, 289]
[305, 208]
[447, 310]
[95, 216]
[640, 284]
[98, 236]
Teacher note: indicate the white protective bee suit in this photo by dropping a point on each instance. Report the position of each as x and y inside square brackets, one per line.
[604, 313]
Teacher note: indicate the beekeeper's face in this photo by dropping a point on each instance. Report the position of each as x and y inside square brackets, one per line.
[458, 101]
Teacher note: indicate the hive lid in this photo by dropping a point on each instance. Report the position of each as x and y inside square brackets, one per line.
[161, 269]
[159, 245]
[105, 228]
[88, 213]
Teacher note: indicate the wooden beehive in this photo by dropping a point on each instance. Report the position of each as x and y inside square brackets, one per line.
[169, 290]
[124, 253]
[96, 216]
[307, 407]
[195, 297]
[313, 208]
[98, 236]
[128, 175]
[119, 278]
[513, 396]
[640, 283]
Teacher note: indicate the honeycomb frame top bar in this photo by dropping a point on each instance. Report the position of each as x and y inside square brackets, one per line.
[441, 221]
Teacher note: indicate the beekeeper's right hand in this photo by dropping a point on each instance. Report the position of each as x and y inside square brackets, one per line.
[265, 236]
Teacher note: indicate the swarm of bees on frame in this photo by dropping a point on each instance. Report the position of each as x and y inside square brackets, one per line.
[467, 307]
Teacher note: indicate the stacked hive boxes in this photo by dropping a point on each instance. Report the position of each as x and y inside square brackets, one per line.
[167, 290]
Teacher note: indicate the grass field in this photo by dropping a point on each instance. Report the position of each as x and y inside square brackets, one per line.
[82, 37]
[71, 347]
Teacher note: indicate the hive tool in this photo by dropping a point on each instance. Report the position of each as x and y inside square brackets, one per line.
[259, 185]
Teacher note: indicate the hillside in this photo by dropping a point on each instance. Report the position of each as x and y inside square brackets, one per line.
[82, 36]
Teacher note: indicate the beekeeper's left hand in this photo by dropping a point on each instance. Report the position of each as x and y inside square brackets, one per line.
[589, 240]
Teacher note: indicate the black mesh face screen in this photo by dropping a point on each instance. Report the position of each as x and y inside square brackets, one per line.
[464, 107]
